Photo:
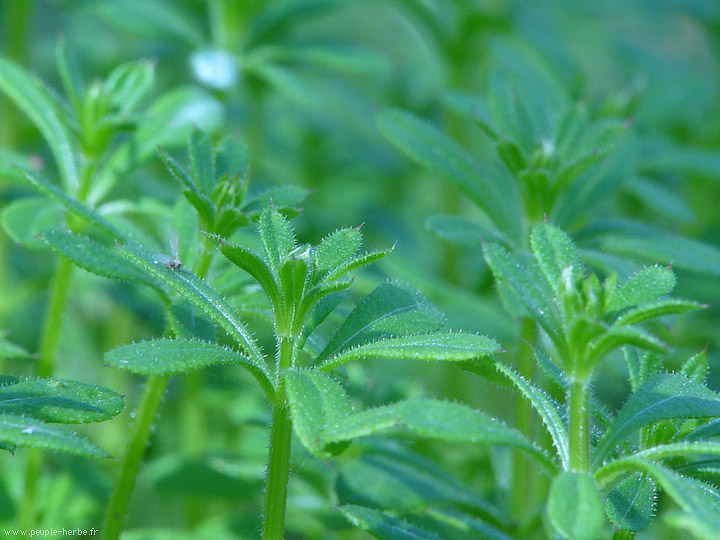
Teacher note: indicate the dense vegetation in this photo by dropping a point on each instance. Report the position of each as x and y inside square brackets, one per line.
[338, 269]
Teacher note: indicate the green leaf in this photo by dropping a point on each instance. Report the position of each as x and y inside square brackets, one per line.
[25, 220]
[699, 502]
[202, 160]
[357, 262]
[511, 155]
[434, 419]
[280, 197]
[463, 231]
[548, 410]
[431, 148]
[391, 309]
[10, 350]
[233, 160]
[645, 286]
[63, 401]
[277, 237]
[631, 504]
[335, 250]
[27, 432]
[444, 347]
[555, 251]
[97, 258]
[316, 401]
[395, 479]
[526, 287]
[665, 396]
[170, 356]
[254, 265]
[71, 204]
[129, 84]
[616, 337]
[663, 248]
[658, 308]
[186, 323]
[201, 295]
[574, 508]
[34, 99]
[176, 170]
[383, 526]
[696, 367]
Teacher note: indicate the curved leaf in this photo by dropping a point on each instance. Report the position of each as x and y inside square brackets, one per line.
[383, 526]
[63, 401]
[27, 432]
[445, 347]
[575, 509]
[665, 396]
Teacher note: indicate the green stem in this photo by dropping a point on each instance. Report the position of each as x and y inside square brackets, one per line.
[579, 399]
[623, 535]
[53, 320]
[27, 512]
[132, 456]
[278, 474]
[521, 496]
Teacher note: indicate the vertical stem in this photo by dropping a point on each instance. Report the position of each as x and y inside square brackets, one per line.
[579, 399]
[623, 535]
[521, 495]
[53, 320]
[278, 474]
[133, 455]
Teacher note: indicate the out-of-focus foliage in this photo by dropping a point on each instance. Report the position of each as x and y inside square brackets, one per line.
[453, 128]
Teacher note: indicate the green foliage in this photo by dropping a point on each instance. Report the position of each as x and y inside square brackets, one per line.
[543, 159]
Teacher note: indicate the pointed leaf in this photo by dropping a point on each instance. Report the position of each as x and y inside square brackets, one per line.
[575, 509]
[277, 237]
[696, 367]
[645, 286]
[316, 401]
[254, 265]
[445, 347]
[176, 170]
[202, 160]
[434, 419]
[548, 410]
[71, 204]
[383, 526]
[129, 84]
[63, 401]
[527, 288]
[428, 146]
[28, 432]
[631, 504]
[463, 231]
[555, 251]
[34, 99]
[390, 310]
[26, 219]
[336, 249]
[201, 295]
[665, 396]
[357, 262]
[96, 258]
[658, 308]
[617, 336]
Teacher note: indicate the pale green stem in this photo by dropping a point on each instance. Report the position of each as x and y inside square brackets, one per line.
[132, 456]
[278, 472]
[579, 399]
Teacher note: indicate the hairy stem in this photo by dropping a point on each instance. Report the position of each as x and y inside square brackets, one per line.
[579, 398]
[278, 474]
[132, 456]
[522, 490]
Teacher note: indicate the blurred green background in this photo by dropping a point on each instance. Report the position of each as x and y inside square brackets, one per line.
[303, 82]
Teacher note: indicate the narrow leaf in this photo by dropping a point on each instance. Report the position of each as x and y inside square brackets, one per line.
[645, 286]
[96, 258]
[63, 401]
[202, 160]
[277, 237]
[34, 99]
[383, 526]
[555, 251]
[658, 308]
[336, 249]
[390, 310]
[27, 432]
[665, 396]
[438, 420]
[446, 347]
[631, 504]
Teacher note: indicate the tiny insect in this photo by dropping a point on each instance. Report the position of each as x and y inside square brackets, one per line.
[173, 262]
